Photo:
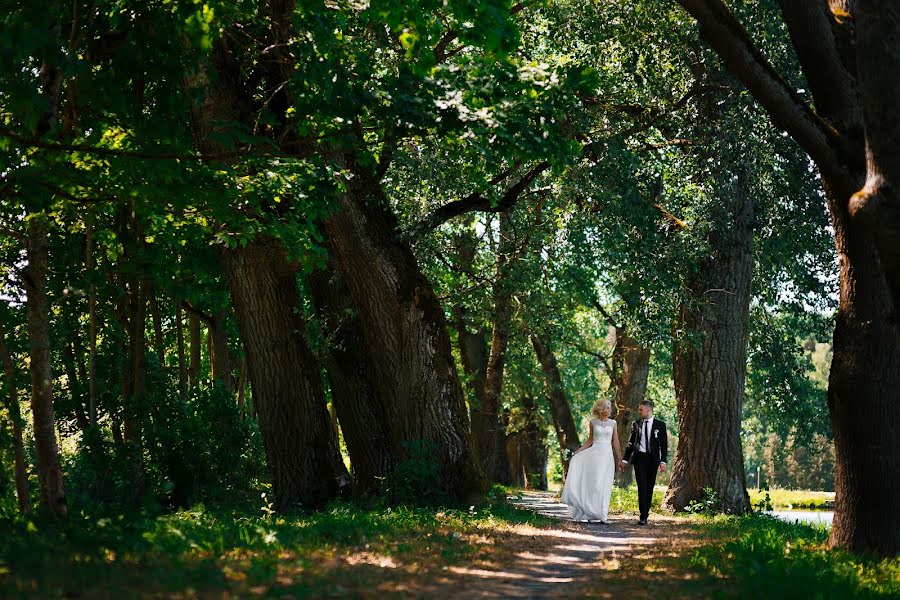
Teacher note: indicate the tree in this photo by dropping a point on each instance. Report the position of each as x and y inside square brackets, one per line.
[710, 363]
[840, 48]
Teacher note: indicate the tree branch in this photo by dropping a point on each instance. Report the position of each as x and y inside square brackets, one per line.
[477, 202]
[721, 29]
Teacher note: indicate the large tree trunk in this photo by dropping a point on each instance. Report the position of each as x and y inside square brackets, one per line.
[850, 64]
[50, 480]
[486, 417]
[405, 331]
[300, 443]
[563, 422]
[15, 415]
[361, 412]
[864, 397]
[710, 363]
[631, 368]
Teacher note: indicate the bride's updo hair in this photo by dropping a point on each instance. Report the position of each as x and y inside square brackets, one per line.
[601, 405]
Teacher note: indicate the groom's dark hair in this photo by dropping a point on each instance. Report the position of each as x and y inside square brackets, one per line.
[646, 403]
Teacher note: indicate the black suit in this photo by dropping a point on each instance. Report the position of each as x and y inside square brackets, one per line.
[646, 464]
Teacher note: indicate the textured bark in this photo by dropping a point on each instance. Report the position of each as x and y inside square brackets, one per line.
[486, 417]
[404, 328]
[360, 410]
[877, 204]
[864, 396]
[15, 415]
[630, 370]
[50, 479]
[559, 404]
[710, 362]
[300, 443]
[850, 60]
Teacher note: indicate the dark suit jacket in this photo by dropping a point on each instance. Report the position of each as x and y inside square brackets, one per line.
[659, 441]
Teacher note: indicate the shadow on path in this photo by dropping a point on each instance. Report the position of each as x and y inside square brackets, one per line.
[566, 561]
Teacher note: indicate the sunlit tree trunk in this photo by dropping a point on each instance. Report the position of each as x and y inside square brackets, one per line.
[630, 371]
[710, 363]
[50, 479]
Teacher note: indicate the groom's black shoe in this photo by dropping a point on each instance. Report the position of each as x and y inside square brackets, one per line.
[642, 522]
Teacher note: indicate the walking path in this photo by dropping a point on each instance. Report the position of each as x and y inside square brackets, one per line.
[576, 559]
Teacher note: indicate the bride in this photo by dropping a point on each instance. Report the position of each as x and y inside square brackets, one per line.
[589, 482]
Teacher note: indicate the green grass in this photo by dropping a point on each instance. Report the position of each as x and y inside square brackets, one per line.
[763, 557]
[205, 550]
[791, 499]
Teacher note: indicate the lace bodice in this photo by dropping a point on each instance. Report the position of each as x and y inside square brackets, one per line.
[603, 430]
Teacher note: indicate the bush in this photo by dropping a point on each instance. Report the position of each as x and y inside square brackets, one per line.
[203, 449]
[417, 479]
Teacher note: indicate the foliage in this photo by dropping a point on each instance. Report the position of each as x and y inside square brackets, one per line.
[206, 550]
[709, 504]
[416, 479]
[767, 557]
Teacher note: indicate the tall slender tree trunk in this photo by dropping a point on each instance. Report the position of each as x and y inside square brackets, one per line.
[194, 335]
[489, 437]
[360, 409]
[220, 356]
[300, 443]
[404, 328]
[560, 408]
[630, 371]
[75, 386]
[710, 363]
[158, 339]
[530, 449]
[15, 415]
[92, 318]
[50, 479]
[179, 341]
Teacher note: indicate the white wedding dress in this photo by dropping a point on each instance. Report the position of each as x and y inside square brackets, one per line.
[589, 481]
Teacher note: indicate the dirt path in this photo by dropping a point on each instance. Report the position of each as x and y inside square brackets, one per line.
[622, 559]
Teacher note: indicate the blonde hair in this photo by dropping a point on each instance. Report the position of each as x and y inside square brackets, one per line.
[599, 405]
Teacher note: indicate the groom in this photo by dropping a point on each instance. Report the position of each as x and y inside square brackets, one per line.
[648, 448]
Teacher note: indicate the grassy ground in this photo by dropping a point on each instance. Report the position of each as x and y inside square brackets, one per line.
[789, 499]
[351, 550]
[340, 551]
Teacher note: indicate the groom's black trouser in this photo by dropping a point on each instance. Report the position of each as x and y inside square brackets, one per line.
[645, 469]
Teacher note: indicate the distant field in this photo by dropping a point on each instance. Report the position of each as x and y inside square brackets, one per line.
[795, 498]
[623, 500]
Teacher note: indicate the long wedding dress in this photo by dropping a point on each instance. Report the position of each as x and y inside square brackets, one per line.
[589, 482]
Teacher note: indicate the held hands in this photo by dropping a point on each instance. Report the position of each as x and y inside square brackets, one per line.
[622, 465]
[662, 467]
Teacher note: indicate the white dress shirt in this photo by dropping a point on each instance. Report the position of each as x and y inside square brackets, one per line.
[644, 444]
